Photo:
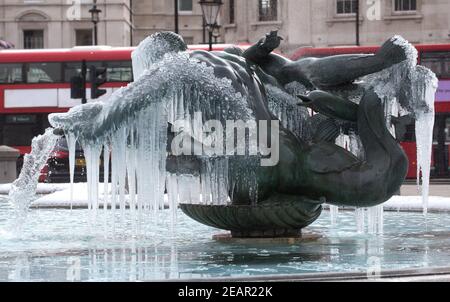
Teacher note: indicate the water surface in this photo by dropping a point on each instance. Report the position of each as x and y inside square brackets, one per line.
[60, 245]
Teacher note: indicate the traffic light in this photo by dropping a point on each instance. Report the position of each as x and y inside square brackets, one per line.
[98, 78]
[78, 84]
[77, 88]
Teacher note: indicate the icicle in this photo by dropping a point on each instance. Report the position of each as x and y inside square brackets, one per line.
[284, 106]
[360, 219]
[375, 220]
[131, 169]
[334, 212]
[424, 88]
[71, 144]
[106, 163]
[424, 140]
[118, 143]
[92, 155]
[172, 194]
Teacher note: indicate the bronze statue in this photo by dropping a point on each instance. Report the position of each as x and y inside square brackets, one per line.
[310, 174]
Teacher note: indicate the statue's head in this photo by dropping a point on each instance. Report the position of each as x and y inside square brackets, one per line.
[153, 48]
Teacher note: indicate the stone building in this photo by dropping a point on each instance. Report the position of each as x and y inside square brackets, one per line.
[333, 22]
[64, 23]
[150, 16]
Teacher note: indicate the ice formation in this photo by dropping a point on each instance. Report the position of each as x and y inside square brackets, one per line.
[284, 106]
[23, 189]
[131, 129]
[425, 86]
[407, 88]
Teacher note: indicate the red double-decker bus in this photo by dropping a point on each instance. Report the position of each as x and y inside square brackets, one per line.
[35, 83]
[437, 58]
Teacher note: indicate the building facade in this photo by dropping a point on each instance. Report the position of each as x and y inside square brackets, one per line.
[150, 16]
[333, 22]
[64, 23]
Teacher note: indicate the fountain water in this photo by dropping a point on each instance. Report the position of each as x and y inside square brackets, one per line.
[23, 189]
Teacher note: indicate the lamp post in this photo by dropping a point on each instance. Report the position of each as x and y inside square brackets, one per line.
[210, 10]
[216, 32]
[177, 27]
[357, 22]
[95, 18]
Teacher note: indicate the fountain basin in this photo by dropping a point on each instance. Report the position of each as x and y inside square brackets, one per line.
[284, 219]
[60, 245]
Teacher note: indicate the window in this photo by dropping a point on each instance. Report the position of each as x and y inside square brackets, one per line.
[33, 39]
[185, 6]
[83, 37]
[438, 62]
[268, 10]
[405, 5]
[188, 40]
[231, 12]
[344, 7]
[44, 73]
[11, 73]
[119, 71]
[19, 130]
[72, 69]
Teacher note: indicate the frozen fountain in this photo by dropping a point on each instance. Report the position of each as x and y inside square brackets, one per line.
[229, 138]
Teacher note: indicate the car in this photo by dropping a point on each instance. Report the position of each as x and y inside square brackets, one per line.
[57, 168]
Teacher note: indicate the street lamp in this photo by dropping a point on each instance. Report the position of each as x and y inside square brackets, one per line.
[210, 10]
[357, 9]
[95, 18]
[216, 32]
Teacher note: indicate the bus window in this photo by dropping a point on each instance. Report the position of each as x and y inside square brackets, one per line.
[72, 69]
[11, 73]
[19, 130]
[119, 71]
[44, 73]
[438, 62]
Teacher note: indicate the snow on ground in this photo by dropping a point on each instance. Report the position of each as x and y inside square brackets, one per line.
[58, 196]
[414, 203]
[42, 188]
[62, 199]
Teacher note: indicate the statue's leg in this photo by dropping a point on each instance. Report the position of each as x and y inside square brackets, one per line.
[342, 69]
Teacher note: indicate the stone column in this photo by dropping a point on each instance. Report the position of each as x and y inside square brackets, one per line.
[8, 161]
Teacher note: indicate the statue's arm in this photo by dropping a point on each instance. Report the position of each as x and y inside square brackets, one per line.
[261, 52]
[342, 69]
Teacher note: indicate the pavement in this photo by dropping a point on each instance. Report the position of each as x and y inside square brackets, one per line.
[439, 274]
[436, 189]
[409, 200]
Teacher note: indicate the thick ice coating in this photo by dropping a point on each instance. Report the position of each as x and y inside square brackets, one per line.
[133, 122]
